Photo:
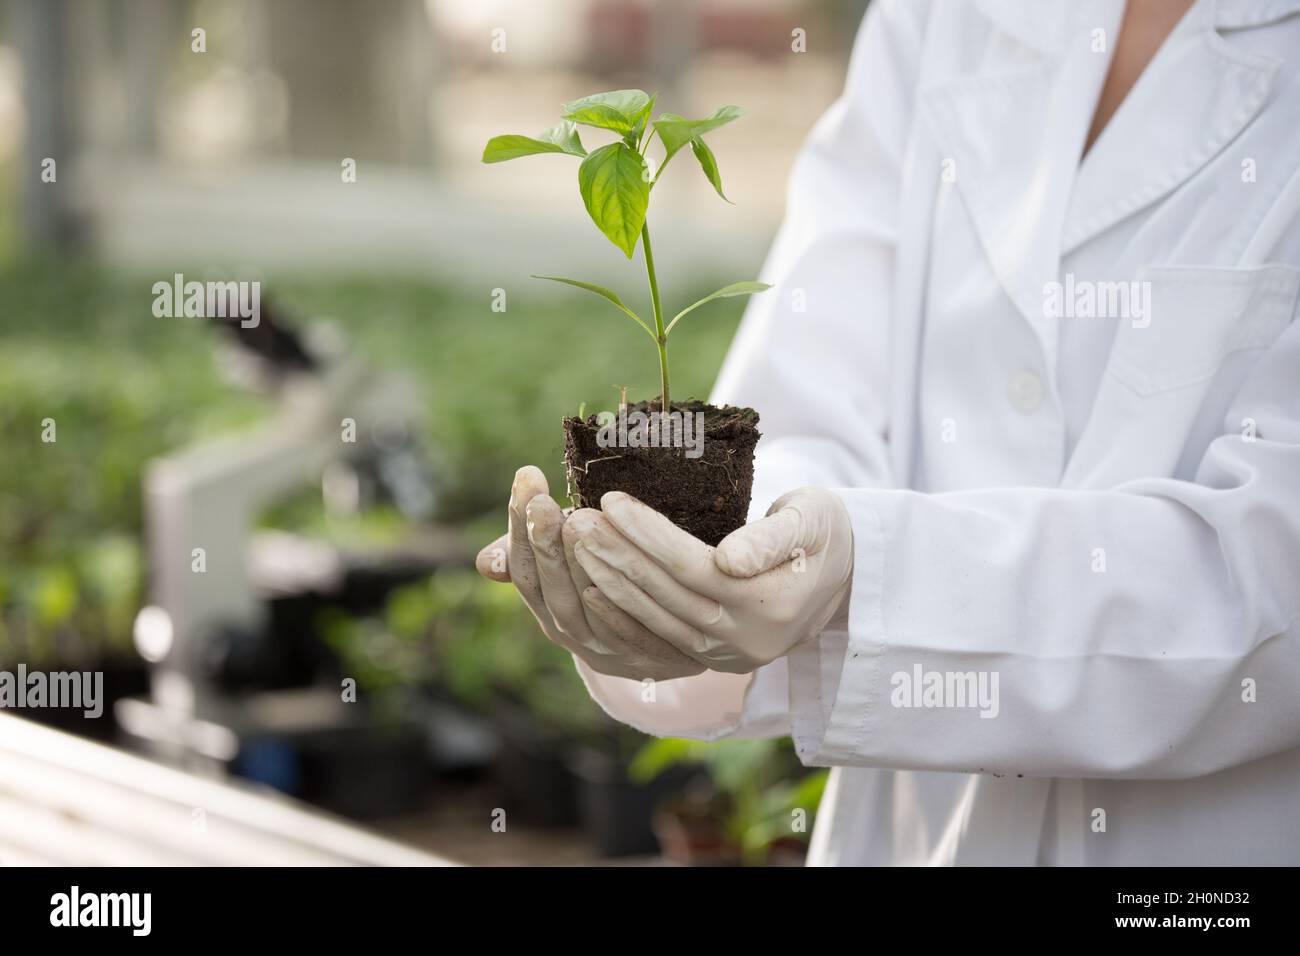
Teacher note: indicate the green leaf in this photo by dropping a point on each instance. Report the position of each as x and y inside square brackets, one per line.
[660, 754]
[675, 131]
[808, 794]
[616, 110]
[561, 138]
[609, 294]
[726, 292]
[643, 117]
[709, 164]
[616, 189]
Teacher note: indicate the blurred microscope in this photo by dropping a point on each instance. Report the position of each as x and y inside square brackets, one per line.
[242, 679]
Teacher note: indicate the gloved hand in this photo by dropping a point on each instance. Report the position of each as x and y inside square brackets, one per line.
[532, 555]
[767, 586]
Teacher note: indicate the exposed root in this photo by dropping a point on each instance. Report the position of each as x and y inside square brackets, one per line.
[735, 485]
[570, 486]
[594, 461]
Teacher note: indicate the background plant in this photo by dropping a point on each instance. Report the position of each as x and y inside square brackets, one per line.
[475, 639]
[616, 180]
[761, 781]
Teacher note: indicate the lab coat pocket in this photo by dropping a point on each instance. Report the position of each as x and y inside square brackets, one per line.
[1184, 321]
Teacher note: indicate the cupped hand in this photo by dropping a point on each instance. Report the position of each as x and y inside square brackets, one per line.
[766, 588]
[535, 554]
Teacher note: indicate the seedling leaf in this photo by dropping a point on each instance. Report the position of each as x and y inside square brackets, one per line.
[615, 182]
[561, 138]
[617, 110]
[609, 294]
[616, 190]
[726, 292]
[709, 164]
[642, 117]
[676, 131]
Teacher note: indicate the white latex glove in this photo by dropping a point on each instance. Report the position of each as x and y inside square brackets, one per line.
[532, 555]
[767, 586]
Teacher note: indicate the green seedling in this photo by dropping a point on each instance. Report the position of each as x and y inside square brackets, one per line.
[616, 180]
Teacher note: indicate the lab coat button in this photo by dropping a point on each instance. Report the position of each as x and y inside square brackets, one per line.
[1026, 392]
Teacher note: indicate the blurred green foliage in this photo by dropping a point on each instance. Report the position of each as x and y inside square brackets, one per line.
[479, 641]
[83, 361]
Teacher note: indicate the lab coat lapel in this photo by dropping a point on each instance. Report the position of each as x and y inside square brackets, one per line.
[1013, 133]
[1243, 14]
[1192, 100]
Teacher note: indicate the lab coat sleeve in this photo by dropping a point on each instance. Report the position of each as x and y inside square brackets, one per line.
[822, 409]
[1147, 631]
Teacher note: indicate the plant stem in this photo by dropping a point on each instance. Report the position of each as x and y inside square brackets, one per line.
[660, 336]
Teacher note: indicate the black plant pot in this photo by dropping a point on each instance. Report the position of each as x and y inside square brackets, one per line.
[616, 812]
[532, 771]
[368, 772]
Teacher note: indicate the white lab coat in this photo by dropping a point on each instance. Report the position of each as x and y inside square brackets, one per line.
[1103, 512]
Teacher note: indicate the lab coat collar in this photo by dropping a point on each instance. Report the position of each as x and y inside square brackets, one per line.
[1243, 14]
[1041, 25]
[1015, 130]
[1011, 134]
[1195, 97]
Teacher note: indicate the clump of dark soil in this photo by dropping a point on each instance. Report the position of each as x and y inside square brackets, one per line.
[702, 483]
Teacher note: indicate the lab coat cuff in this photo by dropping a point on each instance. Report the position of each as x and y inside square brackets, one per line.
[835, 679]
[708, 706]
